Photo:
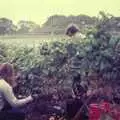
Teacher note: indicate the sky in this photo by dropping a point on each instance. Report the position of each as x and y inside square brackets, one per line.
[39, 10]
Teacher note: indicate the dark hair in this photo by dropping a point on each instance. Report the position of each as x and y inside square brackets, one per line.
[72, 29]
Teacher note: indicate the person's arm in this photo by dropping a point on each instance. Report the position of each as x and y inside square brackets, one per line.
[10, 97]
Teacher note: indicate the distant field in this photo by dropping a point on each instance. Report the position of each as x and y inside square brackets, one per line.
[30, 41]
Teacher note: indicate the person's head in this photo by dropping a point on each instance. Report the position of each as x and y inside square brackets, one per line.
[71, 30]
[79, 91]
[7, 73]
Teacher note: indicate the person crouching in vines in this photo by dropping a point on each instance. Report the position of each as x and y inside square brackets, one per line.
[7, 83]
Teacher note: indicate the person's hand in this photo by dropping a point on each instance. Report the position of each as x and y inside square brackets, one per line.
[89, 92]
[21, 96]
[30, 98]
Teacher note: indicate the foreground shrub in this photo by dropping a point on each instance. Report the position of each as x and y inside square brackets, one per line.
[49, 69]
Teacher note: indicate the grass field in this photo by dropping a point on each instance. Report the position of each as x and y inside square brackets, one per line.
[29, 41]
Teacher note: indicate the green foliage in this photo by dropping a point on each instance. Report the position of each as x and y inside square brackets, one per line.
[52, 64]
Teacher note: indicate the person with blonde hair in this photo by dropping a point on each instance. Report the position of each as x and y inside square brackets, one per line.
[7, 83]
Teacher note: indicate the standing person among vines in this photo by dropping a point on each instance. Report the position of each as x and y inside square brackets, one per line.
[77, 102]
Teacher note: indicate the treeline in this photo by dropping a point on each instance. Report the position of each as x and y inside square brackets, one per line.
[57, 24]
[8, 27]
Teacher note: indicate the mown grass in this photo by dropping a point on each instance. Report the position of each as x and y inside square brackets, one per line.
[30, 41]
[36, 40]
